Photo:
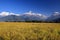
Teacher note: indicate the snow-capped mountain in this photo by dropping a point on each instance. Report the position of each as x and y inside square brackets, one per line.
[33, 16]
[11, 18]
[55, 17]
[29, 16]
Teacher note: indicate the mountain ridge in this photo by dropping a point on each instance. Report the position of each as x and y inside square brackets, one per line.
[29, 16]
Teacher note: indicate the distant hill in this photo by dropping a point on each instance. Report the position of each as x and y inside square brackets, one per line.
[55, 17]
[31, 17]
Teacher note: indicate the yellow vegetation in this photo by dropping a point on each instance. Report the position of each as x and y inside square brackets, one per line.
[29, 31]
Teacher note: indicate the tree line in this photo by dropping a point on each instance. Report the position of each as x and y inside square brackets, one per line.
[36, 21]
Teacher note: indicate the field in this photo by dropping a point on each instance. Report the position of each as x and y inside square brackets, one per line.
[29, 31]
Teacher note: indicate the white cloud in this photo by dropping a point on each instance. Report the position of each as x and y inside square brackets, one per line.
[31, 13]
[35, 14]
[14, 14]
[27, 13]
[56, 13]
[8, 13]
[4, 13]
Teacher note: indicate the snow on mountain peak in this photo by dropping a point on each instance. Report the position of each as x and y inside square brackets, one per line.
[8, 13]
[28, 14]
[56, 13]
[34, 14]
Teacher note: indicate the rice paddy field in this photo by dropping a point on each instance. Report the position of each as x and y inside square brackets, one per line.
[29, 31]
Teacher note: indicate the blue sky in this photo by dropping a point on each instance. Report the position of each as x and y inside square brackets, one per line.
[46, 7]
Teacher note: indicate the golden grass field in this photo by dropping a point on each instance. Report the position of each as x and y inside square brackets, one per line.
[29, 31]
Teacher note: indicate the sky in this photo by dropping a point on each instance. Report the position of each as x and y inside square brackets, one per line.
[46, 7]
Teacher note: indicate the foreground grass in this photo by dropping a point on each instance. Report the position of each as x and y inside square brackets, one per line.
[29, 31]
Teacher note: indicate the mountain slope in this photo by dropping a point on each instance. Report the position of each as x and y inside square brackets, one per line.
[55, 17]
[36, 17]
[11, 18]
[29, 16]
[24, 17]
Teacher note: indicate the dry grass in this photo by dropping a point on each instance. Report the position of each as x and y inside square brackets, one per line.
[29, 31]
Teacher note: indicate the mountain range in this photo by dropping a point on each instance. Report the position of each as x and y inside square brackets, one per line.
[29, 16]
[55, 17]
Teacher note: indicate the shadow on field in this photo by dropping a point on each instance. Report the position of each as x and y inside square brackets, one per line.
[1, 38]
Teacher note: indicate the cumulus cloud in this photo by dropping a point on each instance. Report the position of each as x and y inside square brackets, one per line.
[35, 14]
[31, 13]
[4, 13]
[14, 14]
[8, 13]
[27, 13]
[56, 13]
